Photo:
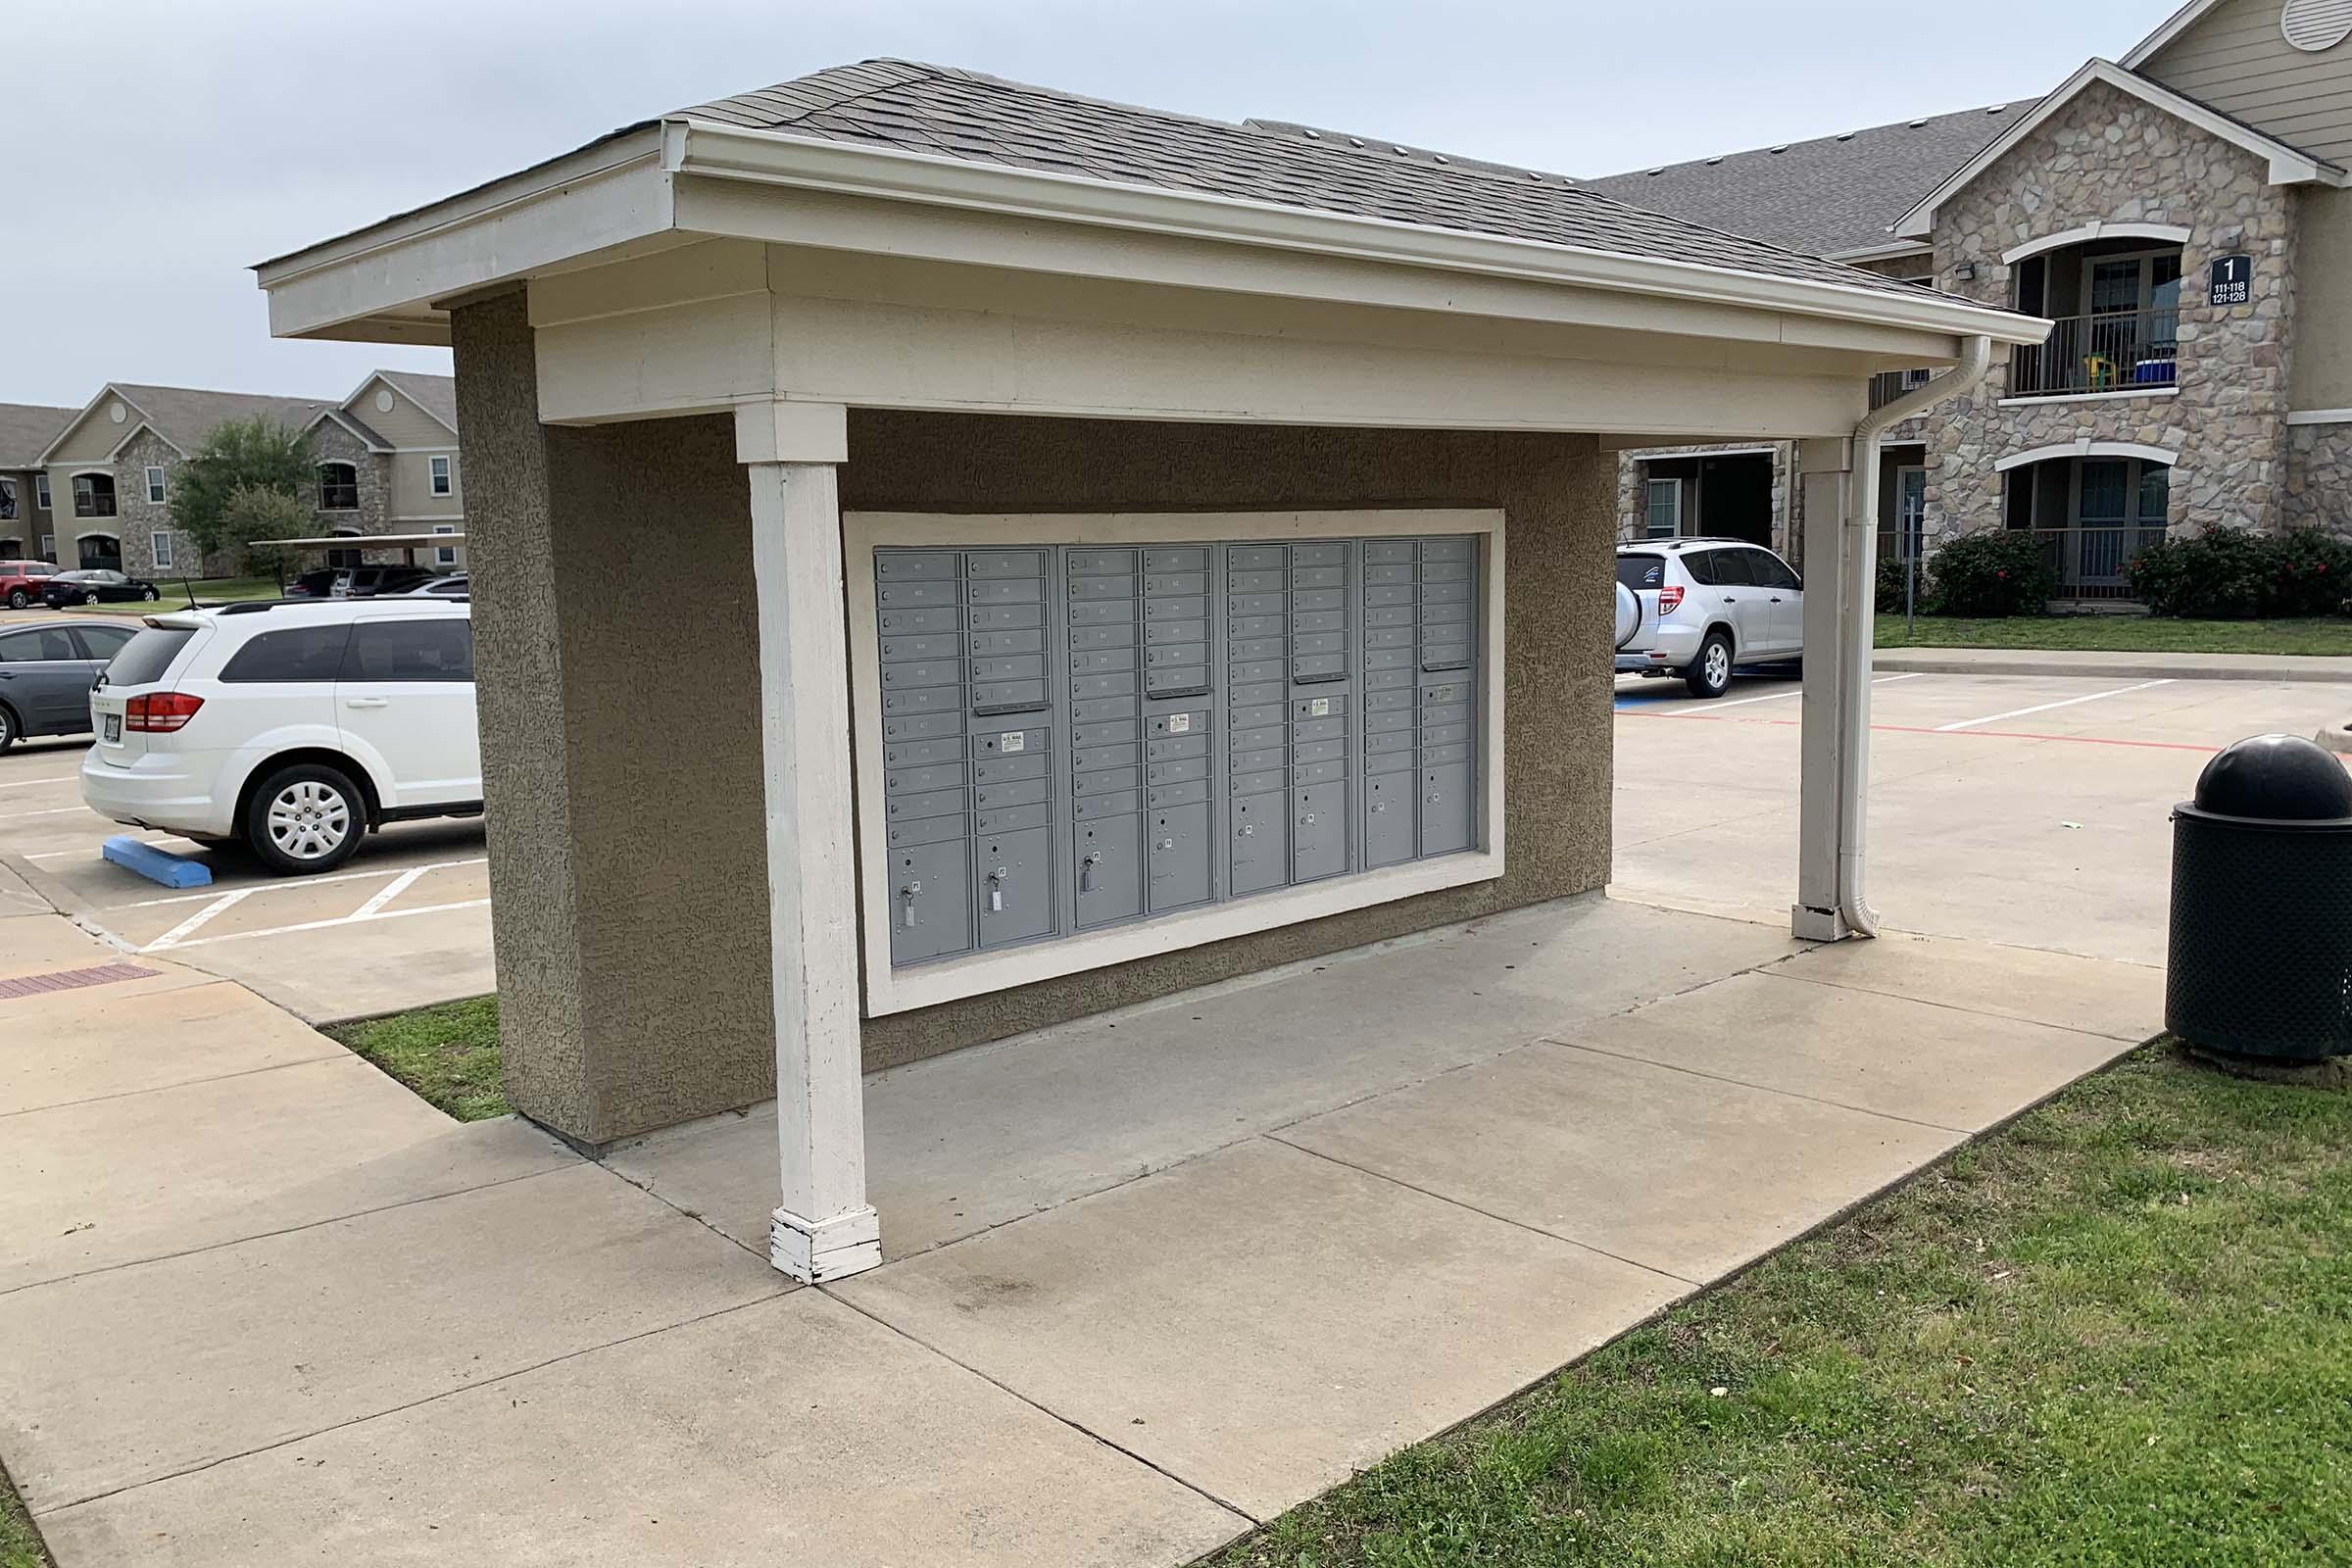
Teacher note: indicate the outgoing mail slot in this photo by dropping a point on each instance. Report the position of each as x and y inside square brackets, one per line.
[1320, 707]
[1194, 724]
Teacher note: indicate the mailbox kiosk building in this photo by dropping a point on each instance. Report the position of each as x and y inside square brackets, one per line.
[1120, 551]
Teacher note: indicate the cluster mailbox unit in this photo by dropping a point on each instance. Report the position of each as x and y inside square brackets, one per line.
[1075, 737]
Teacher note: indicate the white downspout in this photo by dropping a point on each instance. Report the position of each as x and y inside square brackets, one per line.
[1860, 597]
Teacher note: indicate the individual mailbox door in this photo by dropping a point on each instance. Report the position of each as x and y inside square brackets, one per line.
[1180, 857]
[1111, 877]
[1261, 843]
[1015, 886]
[931, 900]
[1391, 832]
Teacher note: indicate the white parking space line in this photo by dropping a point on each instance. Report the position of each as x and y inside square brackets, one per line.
[388, 892]
[56, 811]
[27, 783]
[2043, 708]
[1799, 691]
[221, 905]
[297, 883]
[338, 920]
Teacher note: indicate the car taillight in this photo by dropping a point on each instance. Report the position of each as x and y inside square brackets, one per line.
[160, 713]
[1669, 601]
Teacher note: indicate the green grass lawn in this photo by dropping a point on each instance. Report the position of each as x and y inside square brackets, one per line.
[2135, 634]
[20, 1547]
[2119, 1332]
[447, 1055]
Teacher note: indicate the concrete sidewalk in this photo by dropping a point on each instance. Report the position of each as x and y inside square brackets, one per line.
[2096, 665]
[1151, 1276]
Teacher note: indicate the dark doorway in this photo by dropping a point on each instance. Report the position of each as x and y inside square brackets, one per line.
[99, 552]
[1735, 497]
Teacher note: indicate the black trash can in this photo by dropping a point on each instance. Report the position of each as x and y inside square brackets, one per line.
[2261, 962]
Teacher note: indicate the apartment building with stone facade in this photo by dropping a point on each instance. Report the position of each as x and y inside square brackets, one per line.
[2180, 215]
[387, 463]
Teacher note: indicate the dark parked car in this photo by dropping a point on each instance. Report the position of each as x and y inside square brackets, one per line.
[46, 672]
[356, 583]
[20, 581]
[94, 588]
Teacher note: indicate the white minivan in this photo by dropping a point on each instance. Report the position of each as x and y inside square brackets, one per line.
[292, 727]
[1700, 607]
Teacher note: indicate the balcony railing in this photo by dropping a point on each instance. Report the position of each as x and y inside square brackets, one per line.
[2089, 560]
[2118, 351]
[93, 506]
[1887, 385]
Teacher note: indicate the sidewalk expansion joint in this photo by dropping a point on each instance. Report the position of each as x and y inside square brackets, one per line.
[1748, 1083]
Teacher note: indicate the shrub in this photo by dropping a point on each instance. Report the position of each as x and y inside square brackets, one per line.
[2000, 571]
[1891, 572]
[2232, 574]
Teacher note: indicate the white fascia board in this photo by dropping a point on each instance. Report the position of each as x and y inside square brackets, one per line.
[74, 423]
[130, 434]
[1892, 250]
[724, 152]
[2288, 166]
[338, 414]
[2173, 26]
[612, 194]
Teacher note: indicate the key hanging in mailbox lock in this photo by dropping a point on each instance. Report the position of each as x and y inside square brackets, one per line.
[1086, 871]
[996, 891]
[907, 897]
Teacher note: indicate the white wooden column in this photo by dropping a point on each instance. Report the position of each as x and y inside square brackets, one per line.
[1825, 470]
[824, 1228]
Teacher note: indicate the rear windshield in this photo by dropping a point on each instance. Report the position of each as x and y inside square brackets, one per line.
[1641, 571]
[144, 658]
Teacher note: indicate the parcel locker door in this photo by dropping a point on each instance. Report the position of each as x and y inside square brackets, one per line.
[1014, 883]
[1390, 838]
[931, 900]
[1180, 857]
[1261, 844]
[1111, 869]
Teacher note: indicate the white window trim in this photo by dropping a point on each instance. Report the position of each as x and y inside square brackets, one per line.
[2321, 417]
[888, 991]
[1650, 490]
[156, 483]
[445, 554]
[2173, 233]
[41, 493]
[160, 549]
[2124, 394]
[2087, 448]
[441, 475]
[49, 547]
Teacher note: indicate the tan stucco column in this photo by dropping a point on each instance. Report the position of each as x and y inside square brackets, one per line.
[823, 1227]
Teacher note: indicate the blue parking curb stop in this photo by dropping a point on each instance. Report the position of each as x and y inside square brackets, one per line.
[154, 864]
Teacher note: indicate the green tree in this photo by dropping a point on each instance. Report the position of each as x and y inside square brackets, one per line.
[256, 454]
[251, 517]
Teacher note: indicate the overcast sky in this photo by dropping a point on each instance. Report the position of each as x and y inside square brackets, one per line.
[154, 148]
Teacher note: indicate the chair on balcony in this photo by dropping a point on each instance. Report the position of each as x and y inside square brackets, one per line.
[2099, 373]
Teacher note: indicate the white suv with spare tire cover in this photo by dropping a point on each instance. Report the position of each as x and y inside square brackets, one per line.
[1699, 608]
[294, 727]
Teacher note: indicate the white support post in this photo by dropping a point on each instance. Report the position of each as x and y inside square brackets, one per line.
[824, 1228]
[1825, 469]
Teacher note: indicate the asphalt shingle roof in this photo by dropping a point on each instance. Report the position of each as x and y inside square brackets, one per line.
[185, 414]
[26, 429]
[1829, 197]
[437, 395]
[961, 114]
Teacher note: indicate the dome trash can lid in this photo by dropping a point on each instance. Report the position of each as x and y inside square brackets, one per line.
[2276, 778]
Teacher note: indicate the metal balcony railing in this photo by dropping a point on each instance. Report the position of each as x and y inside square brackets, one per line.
[2089, 560]
[93, 506]
[2114, 350]
[1887, 385]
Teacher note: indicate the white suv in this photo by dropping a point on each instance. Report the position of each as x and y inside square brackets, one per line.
[295, 727]
[1701, 606]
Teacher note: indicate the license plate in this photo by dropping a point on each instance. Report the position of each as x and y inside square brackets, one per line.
[109, 728]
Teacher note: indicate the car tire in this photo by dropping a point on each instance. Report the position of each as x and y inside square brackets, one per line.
[9, 727]
[1710, 673]
[18, 599]
[151, 596]
[304, 819]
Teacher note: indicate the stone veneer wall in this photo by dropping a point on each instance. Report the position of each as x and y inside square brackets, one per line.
[2318, 478]
[136, 520]
[333, 442]
[2110, 156]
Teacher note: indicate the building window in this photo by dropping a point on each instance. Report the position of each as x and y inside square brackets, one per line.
[40, 491]
[161, 543]
[346, 557]
[93, 495]
[338, 487]
[441, 477]
[154, 485]
[445, 554]
[1664, 517]
[8, 500]
[49, 547]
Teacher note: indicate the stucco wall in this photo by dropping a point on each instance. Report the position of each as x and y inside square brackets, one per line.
[2110, 156]
[621, 742]
[2320, 376]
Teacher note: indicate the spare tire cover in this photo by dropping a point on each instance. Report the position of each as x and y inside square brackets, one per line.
[1629, 615]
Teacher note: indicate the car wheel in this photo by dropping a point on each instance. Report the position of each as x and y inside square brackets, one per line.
[150, 596]
[1710, 673]
[305, 818]
[7, 727]
[18, 599]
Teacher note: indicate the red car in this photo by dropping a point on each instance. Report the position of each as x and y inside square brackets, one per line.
[20, 581]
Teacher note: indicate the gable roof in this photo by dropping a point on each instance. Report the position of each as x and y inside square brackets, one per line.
[2173, 26]
[2288, 165]
[436, 395]
[184, 416]
[1836, 196]
[28, 429]
[951, 113]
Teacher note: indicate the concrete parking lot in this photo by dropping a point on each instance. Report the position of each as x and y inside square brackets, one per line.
[406, 922]
[2026, 810]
